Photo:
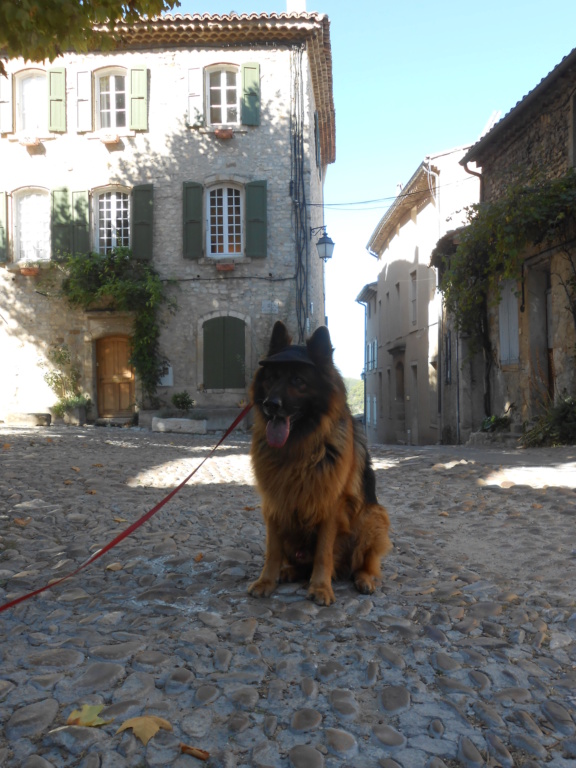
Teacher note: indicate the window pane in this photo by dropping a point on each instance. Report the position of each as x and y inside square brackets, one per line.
[33, 101]
[113, 221]
[32, 235]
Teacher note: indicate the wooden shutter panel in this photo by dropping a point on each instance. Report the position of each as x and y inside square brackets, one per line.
[80, 222]
[256, 219]
[57, 100]
[192, 217]
[3, 226]
[196, 97]
[139, 99]
[214, 353]
[234, 363]
[61, 223]
[142, 221]
[6, 104]
[251, 94]
[84, 115]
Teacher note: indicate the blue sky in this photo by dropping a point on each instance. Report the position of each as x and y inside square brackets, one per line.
[410, 79]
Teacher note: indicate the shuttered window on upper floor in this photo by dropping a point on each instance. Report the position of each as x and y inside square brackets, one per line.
[224, 94]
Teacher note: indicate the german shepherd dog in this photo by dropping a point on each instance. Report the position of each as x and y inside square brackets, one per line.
[314, 474]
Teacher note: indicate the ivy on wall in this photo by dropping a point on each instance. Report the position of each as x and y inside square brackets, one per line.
[125, 284]
[493, 246]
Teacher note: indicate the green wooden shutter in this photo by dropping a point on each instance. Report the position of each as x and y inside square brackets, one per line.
[192, 218]
[251, 94]
[142, 221]
[57, 100]
[3, 226]
[61, 222]
[139, 99]
[80, 222]
[256, 219]
[234, 363]
[214, 353]
[6, 105]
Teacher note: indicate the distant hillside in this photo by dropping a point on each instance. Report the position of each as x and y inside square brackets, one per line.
[355, 389]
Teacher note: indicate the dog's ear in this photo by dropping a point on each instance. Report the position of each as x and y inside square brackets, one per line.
[280, 338]
[320, 346]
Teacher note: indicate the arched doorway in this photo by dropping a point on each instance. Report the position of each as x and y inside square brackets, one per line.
[115, 384]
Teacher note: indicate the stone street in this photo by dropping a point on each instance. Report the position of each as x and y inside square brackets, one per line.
[466, 655]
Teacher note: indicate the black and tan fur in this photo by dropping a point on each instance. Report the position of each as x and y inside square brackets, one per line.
[323, 520]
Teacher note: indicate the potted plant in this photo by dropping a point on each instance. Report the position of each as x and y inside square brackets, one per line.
[29, 268]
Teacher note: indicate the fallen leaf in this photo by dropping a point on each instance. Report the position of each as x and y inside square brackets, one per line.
[49, 440]
[120, 520]
[76, 469]
[97, 465]
[92, 493]
[68, 482]
[88, 716]
[22, 521]
[6, 446]
[249, 509]
[201, 754]
[114, 567]
[145, 727]
[198, 557]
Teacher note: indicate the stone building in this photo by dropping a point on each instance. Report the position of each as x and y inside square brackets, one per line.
[405, 335]
[201, 142]
[532, 330]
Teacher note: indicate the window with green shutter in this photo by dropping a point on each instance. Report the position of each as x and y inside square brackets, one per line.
[256, 220]
[192, 195]
[57, 100]
[6, 104]
[224, 353]
[80, 222]
[142, 221]
[61, 222]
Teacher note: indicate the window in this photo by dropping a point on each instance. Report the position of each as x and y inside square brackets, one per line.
[374, 411]
[222, 90]
[232, 95]
[224, 222]
[413, 298]
[224, 353]
[31, 225]
[113, 221]
[31, 100]
[111, 94]
[508, 323]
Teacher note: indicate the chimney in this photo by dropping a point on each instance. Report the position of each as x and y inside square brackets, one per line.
[295, 6]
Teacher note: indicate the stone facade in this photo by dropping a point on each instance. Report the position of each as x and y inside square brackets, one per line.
[405, 372]
[287, 148]
[537, 138]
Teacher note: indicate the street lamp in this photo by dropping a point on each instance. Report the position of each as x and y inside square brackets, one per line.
[324, 246]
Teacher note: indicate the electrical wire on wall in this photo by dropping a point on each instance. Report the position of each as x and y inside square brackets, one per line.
[300, 219]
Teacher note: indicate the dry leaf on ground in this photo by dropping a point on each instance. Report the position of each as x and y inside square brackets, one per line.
[145, 727]
[201, 754]
[88, 716]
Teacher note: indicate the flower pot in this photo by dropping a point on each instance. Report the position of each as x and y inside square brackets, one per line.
[224, 133]
[29, 271]
[224, 267]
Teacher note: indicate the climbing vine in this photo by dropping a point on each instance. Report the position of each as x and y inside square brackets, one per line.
[124, 284]
[493, 245]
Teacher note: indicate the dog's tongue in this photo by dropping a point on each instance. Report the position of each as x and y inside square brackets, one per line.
[277, 431]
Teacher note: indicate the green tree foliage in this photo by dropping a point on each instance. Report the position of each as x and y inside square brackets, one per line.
[355, 390]
[43, 29]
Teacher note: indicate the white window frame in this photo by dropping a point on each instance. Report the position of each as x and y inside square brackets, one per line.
[97, 195]
[222, 88]
[40, 126]
[112, 72]
[224, 228]
[40, 251]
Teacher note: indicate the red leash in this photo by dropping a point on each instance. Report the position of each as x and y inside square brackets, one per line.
[134, 526]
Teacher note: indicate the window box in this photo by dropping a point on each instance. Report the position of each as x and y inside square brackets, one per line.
[29, 141]
[109, 138]
[225, 267]
[224, 133]
[29, 271]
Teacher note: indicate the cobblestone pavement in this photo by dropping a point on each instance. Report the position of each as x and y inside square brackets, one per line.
[465, 657]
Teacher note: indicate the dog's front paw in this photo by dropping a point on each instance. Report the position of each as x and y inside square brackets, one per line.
[322, 594]
[261, 588]
[364, 583]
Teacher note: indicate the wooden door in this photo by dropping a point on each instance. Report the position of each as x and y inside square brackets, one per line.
[116, 391]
